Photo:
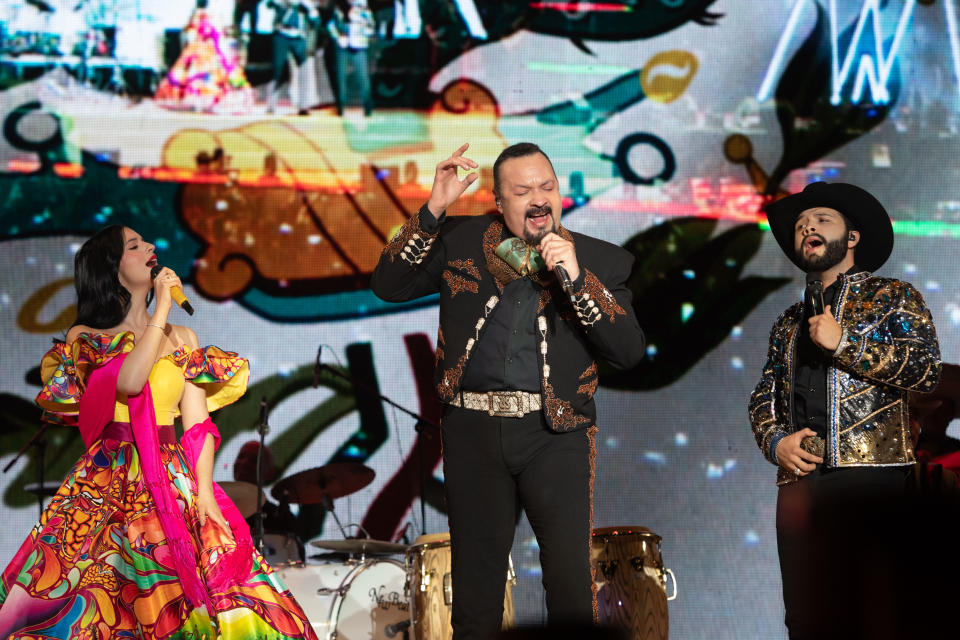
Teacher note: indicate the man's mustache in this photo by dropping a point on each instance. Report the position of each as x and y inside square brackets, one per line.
[814, 235]
[535, 211]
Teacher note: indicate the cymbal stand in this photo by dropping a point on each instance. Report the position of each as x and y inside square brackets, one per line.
[40, 442]
[328, 505]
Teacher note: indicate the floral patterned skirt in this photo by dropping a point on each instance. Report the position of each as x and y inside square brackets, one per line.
[97, 565]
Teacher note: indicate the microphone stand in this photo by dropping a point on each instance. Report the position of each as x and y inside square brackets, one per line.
[40, 443]
[422, 473]
[418, 427]
[263, 429]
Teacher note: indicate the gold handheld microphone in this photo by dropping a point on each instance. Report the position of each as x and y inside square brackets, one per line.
[175, 292]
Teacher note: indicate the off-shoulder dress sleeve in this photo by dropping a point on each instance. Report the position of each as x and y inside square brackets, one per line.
[223, 375]
[66, 367]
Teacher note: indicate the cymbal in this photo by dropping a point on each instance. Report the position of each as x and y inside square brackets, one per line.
[49, 489]
[315, 486]
[363, 546]
[244, 495]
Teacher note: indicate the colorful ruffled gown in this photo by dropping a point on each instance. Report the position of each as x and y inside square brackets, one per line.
[98, 564]
[208, 75]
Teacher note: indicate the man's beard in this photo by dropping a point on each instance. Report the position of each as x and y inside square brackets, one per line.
[833, 254]
[534, 238]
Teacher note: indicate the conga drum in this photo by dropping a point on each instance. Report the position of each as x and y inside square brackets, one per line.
[430, 589]
[632, 581]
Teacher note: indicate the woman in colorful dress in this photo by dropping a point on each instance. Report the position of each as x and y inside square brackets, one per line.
[139, 542]
[207, 75]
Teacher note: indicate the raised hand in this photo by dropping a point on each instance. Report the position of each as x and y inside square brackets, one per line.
[447, 186]
[824, 330]
[162, 283]
[554, 249]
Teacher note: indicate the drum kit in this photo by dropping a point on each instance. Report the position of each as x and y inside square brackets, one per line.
[360, 588]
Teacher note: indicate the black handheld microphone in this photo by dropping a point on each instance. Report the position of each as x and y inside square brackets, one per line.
[564, 279]
[263, 428]
[175, 292]
[814, 293]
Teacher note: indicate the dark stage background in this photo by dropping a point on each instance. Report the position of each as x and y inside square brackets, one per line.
[668, 121]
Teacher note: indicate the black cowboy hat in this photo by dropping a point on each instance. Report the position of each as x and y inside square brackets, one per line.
[864, 212]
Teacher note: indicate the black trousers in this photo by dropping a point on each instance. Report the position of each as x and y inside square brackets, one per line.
[283, 47]
[492, 467]
[864, 556]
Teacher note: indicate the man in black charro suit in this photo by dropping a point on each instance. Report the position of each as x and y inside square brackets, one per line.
[517, 370]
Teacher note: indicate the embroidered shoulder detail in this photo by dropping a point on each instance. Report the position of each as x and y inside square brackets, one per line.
[65, 368]
[411, 242]
[561, 412]
[459, 284]
[594, 301]
[211, 364]
[589, 371]
[223, 374]
[465, 265]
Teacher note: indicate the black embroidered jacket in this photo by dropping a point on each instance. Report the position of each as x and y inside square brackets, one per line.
[460, 262]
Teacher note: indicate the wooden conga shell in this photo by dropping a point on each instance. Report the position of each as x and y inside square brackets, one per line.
[431, 589]
[631, 581]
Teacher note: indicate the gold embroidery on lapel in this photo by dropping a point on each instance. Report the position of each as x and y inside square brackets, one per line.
[465, 265]
[459, 284]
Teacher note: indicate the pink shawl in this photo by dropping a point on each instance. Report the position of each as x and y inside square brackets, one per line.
[96, 411]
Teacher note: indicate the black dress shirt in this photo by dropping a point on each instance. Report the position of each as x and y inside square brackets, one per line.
[810, 381]
[505, 358]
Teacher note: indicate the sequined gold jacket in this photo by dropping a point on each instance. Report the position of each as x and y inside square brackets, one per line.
[459, 261]
[888, 348]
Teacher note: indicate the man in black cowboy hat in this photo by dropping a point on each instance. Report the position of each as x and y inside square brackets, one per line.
[830, 411]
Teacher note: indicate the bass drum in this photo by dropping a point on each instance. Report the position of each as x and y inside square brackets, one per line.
[631, 581]
[349, 600]
[430, 588]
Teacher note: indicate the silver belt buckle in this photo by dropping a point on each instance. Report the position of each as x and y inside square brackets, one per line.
[502, 405]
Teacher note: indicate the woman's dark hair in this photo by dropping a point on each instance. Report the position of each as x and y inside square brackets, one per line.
[102, 302]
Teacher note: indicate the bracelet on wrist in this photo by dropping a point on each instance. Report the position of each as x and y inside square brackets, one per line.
[158, 326]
